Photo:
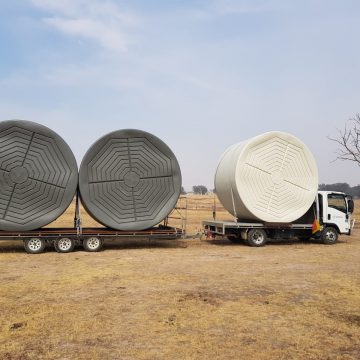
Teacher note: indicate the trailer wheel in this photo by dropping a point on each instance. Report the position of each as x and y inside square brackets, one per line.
[34, 245]
[256, 237]
[92, 244]
[64, 245]
[329, 236]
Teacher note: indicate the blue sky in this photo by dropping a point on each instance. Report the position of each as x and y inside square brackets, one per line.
[201, 75]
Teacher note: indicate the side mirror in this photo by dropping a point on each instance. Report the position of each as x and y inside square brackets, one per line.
[351, 206]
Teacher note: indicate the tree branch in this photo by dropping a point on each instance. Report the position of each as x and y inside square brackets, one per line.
[348, 141]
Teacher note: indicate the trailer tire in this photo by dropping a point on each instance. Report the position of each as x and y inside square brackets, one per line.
[329, 235]
[256, 237]
[92, 244]
[64, 245]
[34, 245]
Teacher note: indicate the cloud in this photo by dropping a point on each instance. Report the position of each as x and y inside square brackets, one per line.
[220, 8]
[107, 36]
[100, 21]
[231, 7]
[65, 7]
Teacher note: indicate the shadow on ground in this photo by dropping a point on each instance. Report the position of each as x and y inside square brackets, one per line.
[270, 242]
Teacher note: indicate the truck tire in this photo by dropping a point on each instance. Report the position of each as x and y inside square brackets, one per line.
[256, 237]
[64, 245]
[92, 244]
[329, 235]
[34, 245]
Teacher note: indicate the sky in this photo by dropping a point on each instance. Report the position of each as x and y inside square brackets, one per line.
[201, 75]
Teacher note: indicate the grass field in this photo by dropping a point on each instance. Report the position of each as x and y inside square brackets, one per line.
[186, 299]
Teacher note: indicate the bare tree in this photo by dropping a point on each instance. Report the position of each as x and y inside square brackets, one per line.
[349, 141]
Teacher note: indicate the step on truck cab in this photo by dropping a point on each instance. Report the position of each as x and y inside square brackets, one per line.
[328, 217]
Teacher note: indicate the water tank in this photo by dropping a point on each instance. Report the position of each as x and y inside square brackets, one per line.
[38, 175]
[129, 180]
[272, 178]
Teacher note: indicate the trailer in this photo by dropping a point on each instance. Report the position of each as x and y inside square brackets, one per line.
[328, 217]
[64, 240]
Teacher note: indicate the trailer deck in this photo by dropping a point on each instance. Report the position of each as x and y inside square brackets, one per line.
[92, 239]
[161, 232]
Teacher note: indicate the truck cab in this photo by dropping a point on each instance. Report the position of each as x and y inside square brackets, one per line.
[334, 209]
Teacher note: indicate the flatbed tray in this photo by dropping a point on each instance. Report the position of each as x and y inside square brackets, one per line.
[219, 227]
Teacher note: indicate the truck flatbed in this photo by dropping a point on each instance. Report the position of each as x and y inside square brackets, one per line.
[220, 227]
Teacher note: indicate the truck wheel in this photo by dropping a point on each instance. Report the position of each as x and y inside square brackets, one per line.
[256, 237]
[64, 245]
[34, 245]
[329, 236]
[92, 244]
[234, 239]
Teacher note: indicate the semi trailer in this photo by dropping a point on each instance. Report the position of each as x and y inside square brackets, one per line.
[328, 217]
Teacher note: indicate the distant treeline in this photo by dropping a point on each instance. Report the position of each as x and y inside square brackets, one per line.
[342, 187]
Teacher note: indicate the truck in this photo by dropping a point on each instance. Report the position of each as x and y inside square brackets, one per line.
[329, 216]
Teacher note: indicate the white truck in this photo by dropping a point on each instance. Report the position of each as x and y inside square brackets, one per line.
[331, 211]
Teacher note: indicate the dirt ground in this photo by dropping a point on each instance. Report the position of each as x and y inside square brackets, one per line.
[185, 299]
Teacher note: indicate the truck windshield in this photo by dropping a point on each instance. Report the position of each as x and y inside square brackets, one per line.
[337, 202]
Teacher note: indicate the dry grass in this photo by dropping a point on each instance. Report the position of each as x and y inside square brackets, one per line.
[182, 300]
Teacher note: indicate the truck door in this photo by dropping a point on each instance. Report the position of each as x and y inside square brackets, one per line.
[337, 212]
